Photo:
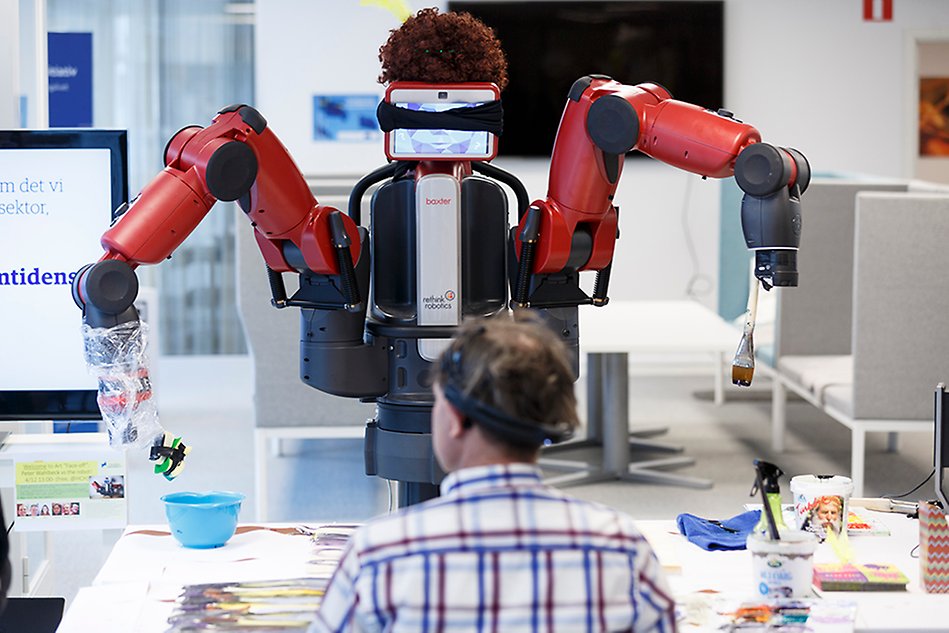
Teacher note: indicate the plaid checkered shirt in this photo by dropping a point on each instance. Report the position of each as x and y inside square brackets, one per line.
[498, 551]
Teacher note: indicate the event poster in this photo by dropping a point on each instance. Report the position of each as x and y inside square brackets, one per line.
[345, 118]
[71, 492]
[69, 56]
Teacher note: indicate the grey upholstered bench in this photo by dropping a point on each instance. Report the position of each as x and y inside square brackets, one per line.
[874, 371]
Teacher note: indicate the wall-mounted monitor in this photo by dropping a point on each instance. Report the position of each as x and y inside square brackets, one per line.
[58, 190]
[677, 43]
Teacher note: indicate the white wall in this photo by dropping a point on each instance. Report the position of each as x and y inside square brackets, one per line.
[660, 209]
[809, 74]
[332, 47]
[305, 48]
[813, 74]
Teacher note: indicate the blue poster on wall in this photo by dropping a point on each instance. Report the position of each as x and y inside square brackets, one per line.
[70, 79]
[345, 118]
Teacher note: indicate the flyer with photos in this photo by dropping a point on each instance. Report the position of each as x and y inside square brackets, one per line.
[70, 492]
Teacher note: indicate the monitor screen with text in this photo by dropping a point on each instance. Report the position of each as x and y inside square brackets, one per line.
[56, 200]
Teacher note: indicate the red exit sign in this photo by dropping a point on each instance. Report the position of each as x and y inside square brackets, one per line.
[878, 10]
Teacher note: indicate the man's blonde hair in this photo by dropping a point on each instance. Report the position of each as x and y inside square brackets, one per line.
[515, 364]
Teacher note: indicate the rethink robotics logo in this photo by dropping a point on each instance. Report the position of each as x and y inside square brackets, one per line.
[35, 277]
[444, 301]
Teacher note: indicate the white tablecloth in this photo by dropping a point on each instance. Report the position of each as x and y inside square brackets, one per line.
[144, 573]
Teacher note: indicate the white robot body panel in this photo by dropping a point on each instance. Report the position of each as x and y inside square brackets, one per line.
[438, 233]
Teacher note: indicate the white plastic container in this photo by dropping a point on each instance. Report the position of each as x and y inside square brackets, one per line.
[783, 568]
[821, 503]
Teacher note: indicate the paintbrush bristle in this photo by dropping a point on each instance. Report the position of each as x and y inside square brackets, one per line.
[742, 375]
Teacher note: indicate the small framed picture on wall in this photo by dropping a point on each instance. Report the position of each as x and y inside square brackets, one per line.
[928, 108]
[934, 116]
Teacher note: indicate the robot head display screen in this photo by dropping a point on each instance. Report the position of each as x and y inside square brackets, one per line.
[440, 144]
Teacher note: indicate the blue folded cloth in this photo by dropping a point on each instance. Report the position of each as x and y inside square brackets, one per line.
[710, 534]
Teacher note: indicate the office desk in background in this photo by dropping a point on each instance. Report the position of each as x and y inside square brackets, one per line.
[661, 328]
[649, 329]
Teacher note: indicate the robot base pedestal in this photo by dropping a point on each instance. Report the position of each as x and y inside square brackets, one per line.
[412, 492]
[403, 451]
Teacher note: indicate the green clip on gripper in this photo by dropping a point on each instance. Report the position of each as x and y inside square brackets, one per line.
[171, 451]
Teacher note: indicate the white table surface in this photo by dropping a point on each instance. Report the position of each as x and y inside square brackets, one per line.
[135, 589]
[659, 328]
[655, 326]
[879, 612]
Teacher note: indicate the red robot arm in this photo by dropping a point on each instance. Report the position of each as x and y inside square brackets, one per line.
[575, 226]
[235, 158]
[238, 158]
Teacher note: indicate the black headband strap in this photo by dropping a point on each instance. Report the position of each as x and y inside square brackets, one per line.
[504, 425]
[484, 117]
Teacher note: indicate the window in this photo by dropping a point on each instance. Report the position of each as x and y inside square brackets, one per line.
[159, 66]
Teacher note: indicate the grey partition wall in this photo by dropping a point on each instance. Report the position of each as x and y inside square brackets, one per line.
[894, 282]
[901, 285]
[273, 336]
[815, 318]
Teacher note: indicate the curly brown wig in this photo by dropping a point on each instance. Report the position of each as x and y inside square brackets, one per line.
[450, 47]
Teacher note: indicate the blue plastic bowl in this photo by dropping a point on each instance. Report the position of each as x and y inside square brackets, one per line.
[202, 520]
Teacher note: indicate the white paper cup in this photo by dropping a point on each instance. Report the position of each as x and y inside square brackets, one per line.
[783, 568]
[821, 503]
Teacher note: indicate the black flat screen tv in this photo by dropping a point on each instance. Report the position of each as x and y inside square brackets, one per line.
[58, 192]
[678, 44]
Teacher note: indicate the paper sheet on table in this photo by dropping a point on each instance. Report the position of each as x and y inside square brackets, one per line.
[179, 573]
[666, 544]
[124, 600]
[137, 556]
[901, 611]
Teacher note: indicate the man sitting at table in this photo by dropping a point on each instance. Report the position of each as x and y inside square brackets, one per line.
[499, 550]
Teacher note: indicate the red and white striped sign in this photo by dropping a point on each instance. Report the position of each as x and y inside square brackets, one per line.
[878, 10]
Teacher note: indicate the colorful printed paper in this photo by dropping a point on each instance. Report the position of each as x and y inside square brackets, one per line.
[859, 577]
[285, 605]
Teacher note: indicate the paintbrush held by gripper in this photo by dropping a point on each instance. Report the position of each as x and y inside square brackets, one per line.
[743, 367]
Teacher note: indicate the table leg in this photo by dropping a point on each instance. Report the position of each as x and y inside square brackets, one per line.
[595, 370]
[608, 428]
[615, 396]
[616, 460]
[858, 448]
[600, 382]
[584, 472]
[779, 400]
[594, 434]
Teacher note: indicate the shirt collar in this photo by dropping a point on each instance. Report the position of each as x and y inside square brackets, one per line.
[493, 476]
